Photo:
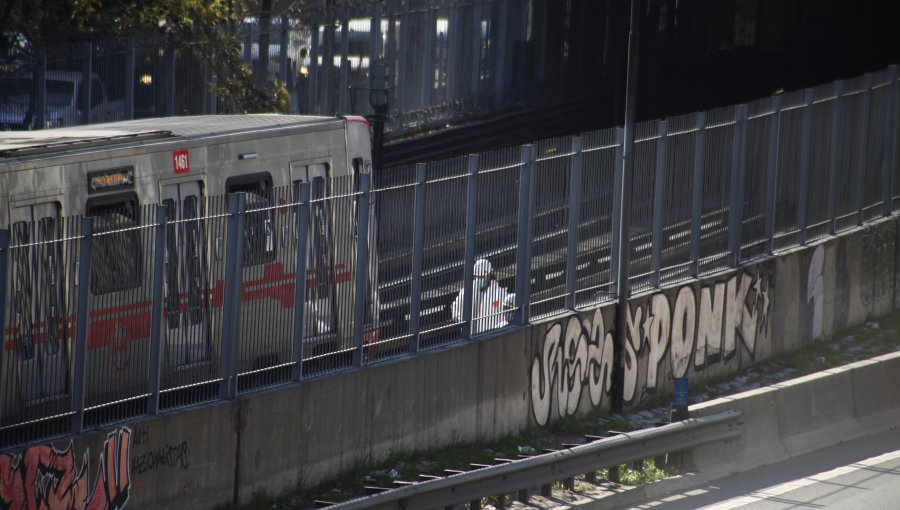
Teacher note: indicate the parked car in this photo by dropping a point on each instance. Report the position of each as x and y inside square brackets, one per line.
[63, 101]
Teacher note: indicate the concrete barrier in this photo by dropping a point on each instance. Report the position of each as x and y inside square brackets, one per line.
[803, 415]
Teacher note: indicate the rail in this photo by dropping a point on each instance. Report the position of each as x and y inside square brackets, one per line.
[541, 470]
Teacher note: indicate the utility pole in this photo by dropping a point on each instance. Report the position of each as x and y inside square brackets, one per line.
[624, 213]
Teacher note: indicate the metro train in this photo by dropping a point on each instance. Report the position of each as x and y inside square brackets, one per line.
[116, 173]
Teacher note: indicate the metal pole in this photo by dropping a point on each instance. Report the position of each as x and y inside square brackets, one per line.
[772, 176]
[4, 257]
[468, 268]
[499, 53]
[738, 165]
[427, 83]
[476, 48]
[86, 71]
[624, 220]
[890, 150]
[283, 70]
[523, 239]
[863, 150]
[300, 282]
[805, 147]
[234, 261]
[314, 71]
[81, 324]
[400, 97]
[343, 90]
[659, 194]
[835, 133]
[697, 198]
[362, 262]
[374, 42]
[455, 46]
[574, 219]
[616, 207]
[129, 77]
[170, 81]
[418, 254]
[156, 315]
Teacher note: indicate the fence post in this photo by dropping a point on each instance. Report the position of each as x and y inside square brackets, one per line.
[170, 81]
[86, 71]
[40, 103]
[574, 220]
[468, 268]
[523, 237]
[805, 148]
[833, 169]
[890, 150]
[658, 202]
[863, 150]
[343, 91]
[418, 255]
[4, 256]
[772, 176]
[129, 76]
[81, 326]
[362, 263]
[617, 204]
[697, 196]
[234, 261]
[300, 282]
[156, 315]
[738, 164]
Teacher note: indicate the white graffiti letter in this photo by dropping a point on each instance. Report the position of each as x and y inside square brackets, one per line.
[709, 334]
[633, 342]
[815, 288]
[683, 327]
[658, 336]
[738, 288]
[543, 374]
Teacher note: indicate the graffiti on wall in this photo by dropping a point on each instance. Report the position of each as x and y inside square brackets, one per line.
[815, 290]
[692, 327]
[43, 477]
[878, 264]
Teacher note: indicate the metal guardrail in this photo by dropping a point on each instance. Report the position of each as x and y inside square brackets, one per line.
[559, 465]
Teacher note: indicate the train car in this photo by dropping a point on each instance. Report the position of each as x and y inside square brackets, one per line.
[117, 174]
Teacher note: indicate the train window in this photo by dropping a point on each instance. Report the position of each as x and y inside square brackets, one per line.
[117, 256]
[49, 255]
[259, 229]
[357, 165]
[22, 269]
[320, 238]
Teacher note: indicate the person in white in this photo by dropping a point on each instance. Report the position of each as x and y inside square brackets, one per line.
[487, 300]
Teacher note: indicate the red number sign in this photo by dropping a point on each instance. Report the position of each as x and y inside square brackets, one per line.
[180, 161]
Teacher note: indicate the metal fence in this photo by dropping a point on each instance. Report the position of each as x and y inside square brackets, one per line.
[446, 59]
[136, 312]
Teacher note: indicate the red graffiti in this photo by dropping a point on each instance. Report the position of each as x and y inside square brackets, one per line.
[43, 477]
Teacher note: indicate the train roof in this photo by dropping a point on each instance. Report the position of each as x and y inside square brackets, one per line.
[27, 143]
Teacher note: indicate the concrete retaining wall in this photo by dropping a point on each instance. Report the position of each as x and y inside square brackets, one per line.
[499, 385]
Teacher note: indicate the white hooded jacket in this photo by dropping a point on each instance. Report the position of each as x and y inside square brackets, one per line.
[487, 307]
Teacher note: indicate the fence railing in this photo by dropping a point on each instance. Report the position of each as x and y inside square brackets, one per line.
[138, 312]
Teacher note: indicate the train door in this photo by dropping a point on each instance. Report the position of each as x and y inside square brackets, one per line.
[320, 293]
[187, 318]
[38, 311]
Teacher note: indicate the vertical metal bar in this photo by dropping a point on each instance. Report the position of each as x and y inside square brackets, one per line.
[523, 239]
[314, 71]
[772, 176]
[4, 257]
[659, 195]
[427, 83]
[738, 164]
[170, 81]
[232, 306]
[40, 103]
[156, 315]
[300, 282]
[835, 133]
[129, 77]
[86, 71]
[362, 262]
[574, 219]
[344, 91]
[400, 75]
[697, 197]
[863, 150]
[81, 324]
[805, 147]
[418, 255]
[468, 268]
[617, 204]
[890, 150]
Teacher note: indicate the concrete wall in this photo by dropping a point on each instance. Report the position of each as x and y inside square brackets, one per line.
[272, 441]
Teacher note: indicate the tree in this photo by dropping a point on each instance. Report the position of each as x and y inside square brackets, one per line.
[204, 27]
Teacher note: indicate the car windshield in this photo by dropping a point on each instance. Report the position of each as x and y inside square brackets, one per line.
[18, 91]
